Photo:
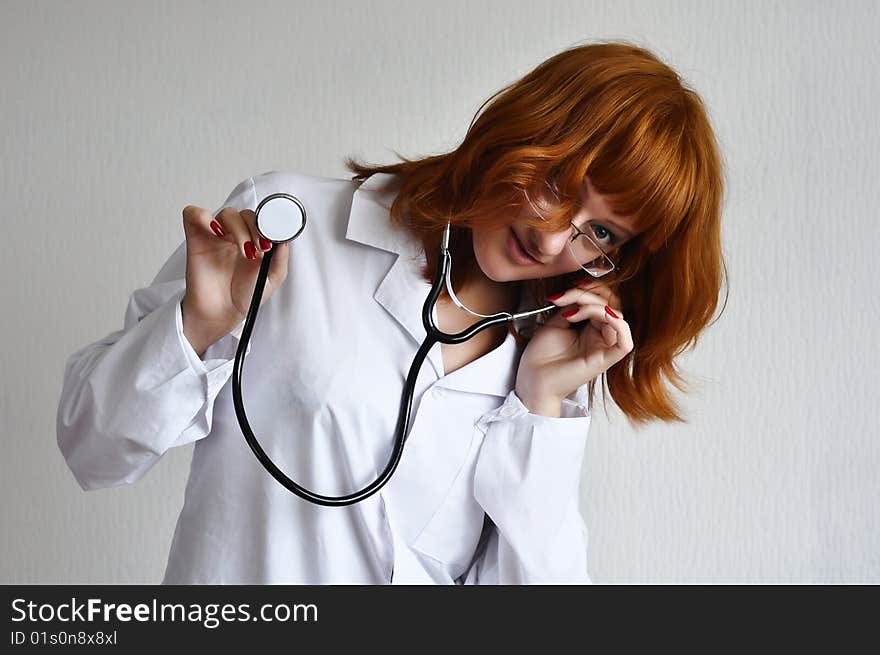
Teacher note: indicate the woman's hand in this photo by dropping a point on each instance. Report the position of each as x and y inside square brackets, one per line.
[223, 258]
[560, 358]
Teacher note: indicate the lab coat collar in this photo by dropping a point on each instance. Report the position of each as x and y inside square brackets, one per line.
[369, 221]
[402, 291]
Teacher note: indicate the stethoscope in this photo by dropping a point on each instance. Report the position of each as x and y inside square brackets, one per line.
[280, 218]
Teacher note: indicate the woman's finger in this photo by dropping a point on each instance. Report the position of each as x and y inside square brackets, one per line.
[620, 340]
[581, 297]
[600, 289]
[250, 219]
[592, 312]
[199, 219]
[240, 228]
[624, 336]
[609, 335]
[234, 229]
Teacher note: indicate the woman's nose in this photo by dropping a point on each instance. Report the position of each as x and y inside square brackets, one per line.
[548, 244]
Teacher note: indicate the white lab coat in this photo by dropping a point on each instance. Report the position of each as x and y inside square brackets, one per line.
[485, 493]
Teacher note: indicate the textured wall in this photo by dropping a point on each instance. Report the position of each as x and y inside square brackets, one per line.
[118, 114]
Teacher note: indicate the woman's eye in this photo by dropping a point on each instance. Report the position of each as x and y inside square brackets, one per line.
[602, 233]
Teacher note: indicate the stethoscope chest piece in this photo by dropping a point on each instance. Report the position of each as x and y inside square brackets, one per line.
[281, 217]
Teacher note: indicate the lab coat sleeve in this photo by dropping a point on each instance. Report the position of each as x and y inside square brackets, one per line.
[130, 396]
[527, 480]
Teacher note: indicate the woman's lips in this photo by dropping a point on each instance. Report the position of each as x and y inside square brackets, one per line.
[518, 253]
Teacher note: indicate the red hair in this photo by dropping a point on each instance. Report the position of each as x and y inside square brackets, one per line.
[614, 112]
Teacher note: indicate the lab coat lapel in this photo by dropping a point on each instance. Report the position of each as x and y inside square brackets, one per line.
[402, 291]
[494, 373]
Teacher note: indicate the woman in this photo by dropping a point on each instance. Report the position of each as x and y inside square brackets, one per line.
[594, 181]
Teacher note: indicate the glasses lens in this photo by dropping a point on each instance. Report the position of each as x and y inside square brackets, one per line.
[589, 257]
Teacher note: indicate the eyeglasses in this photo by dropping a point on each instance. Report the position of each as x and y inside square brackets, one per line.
[582, 246]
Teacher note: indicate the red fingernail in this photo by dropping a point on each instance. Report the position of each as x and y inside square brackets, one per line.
[555, 296]
[570, 312]
[610, 313]
[217, 229]
[249, 250]
[265, 244]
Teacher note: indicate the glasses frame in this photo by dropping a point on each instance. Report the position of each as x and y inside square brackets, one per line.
[577, 234]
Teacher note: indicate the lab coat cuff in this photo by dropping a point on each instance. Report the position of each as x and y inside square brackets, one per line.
[576, 404]
[528, 472]
[219, 356]
[573, 407]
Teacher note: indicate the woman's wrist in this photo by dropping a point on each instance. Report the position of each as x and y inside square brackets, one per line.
[541, 405]
[199, 333]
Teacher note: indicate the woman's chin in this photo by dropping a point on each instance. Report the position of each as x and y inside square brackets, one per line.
[497, 271]
[495, 265]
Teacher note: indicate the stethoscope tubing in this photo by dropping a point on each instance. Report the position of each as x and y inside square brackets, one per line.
[401, 431]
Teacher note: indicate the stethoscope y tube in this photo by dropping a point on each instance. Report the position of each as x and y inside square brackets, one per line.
[401, 431]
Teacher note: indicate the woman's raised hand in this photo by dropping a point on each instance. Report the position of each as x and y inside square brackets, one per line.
[561, 357]
[223, 258]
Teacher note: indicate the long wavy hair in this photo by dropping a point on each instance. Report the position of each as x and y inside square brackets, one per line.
[614, 112]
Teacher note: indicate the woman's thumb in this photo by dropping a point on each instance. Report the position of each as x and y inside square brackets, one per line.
[278, 267]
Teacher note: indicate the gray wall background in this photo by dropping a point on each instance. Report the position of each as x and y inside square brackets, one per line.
[118, 114]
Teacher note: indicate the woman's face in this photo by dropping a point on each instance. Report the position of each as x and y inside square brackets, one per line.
[520, 252]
